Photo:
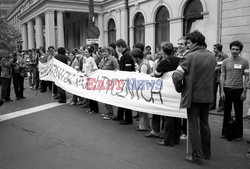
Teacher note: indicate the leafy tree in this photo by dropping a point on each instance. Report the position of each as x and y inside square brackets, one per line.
[8, 35]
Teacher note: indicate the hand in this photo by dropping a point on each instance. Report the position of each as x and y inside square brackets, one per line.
[243, 96]
[223, 96]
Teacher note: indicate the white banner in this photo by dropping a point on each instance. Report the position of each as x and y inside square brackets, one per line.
[132, 90]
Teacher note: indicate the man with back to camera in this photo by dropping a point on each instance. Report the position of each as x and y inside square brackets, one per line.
[196, 71]
[233, 81]
[219, 56]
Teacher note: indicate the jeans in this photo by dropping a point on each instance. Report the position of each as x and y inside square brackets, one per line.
[232, 96]
[199, 130]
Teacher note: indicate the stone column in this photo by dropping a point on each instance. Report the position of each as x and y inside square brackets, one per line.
[101, 28]
[25, 36]
[131, 36]
[39, 32]
[150, 36]
[176, 26]
[50, 28]
[124, 24]
[60, 29]
[31, 37]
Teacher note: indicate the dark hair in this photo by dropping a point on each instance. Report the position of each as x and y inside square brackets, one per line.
[42, 48]
[51, 47]
[121, 43]
[29, 50]
[167, 47]
[106, 48]
[90, 48]
[137, 53]
[196, 37]
[112, 45]
[139, 45]
[236, 43]
[61, 51]
[148, 47]
[218, 47]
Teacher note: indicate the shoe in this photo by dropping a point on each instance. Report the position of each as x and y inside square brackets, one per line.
[239, 139]
[136, 116]
[106, 117]
[31, 87]
[248, 156]
[22, 97]
[1, 102]
[43, 91]
[56, 97]
[248, 151]
[115, 118]
[80, 103]
[222, 136]
[138, 129]
[125, 122]
[17, 98]
[72, 103]
[220, 110]
[248, 141]
[162, 143]
[8, 100]
[190, 159]
[151, 135]
[61, 101]
[85, 105]
[183, 137]
[206, 157]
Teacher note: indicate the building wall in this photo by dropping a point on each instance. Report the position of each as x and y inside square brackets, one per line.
[224, 20]
[236, 24]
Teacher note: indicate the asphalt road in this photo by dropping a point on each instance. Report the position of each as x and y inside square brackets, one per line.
[66, 137]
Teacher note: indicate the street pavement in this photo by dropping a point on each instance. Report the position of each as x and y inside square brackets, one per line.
[66, 137]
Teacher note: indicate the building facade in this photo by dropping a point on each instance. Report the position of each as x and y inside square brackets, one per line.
[65, 23]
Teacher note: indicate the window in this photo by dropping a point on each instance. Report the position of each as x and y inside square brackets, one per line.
[192, 13]
[139, 30]
[162, 29]
[111, 31]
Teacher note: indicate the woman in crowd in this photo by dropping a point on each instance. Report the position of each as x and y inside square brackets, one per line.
[74, 63]
[89, 66]
[143, 67]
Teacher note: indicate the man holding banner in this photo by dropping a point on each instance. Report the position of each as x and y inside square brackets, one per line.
[126, 64]
[196, 70]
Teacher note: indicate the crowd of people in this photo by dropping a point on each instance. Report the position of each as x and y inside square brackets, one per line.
[198, 73]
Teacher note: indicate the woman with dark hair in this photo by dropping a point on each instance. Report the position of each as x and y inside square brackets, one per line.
[143, 67]
[89, 66]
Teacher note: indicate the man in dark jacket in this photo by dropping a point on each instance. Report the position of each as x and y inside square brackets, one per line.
[126, 64]
[197, 71]
[63, 58]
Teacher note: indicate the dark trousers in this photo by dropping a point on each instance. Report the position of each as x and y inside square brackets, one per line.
[43, 85]
[94, 106]
[52, 85]
[18, 82]
[172, 130]
[199, 130]
[128, 114]
[156, 122]
[62, 95]
[232, 96]
[5, 90]
[184, 126]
